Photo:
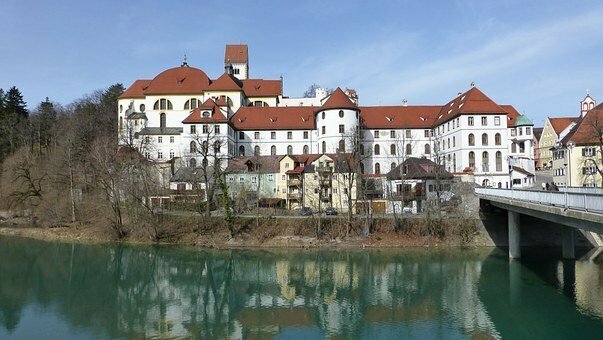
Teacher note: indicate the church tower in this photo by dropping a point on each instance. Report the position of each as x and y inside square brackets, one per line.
[237, 58]
[586, 104]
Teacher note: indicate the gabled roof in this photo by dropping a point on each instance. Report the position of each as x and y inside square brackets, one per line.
[419, 168]
[209, 105]
[538, 132]
[236, 53]
[262, 87]
[472, 101]
[136, 90]
[588, 130]
[274, 118]
[179, 80]
[339, 100]
[268, 164]
[396, 117]
[559, 124]
[226, 82]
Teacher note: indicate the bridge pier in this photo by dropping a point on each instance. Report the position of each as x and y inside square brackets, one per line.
[567, 243]
[514, 238]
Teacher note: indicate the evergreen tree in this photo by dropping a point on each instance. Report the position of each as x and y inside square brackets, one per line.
[15, 105]
[46, 116]
[14, 115]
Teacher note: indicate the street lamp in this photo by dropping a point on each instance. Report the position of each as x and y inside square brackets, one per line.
[570, 145]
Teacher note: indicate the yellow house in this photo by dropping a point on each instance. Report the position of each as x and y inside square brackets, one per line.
[577, 158]
[554, 130]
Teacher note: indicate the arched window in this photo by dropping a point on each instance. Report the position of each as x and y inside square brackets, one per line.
[377, 149]
[204, 147]
[377, 168]
[217, 146]
[471, 140]
[163, 104]
[324, 147]
[485, 161]
[448, 147]
[256, 150]
[306, 149]
[427, 149]
[453, 162]
[408, 149]
[340, 113]
[192, 163]
[142, 107]
[486, 183]
[592, 105]
[241, 150]
[472, 159]
[393, 165]
[584, 106]
[192, 104]
[193, 147]
[484, 139]
[513, 147]
[273, 150]
[498, 161]
[341, 146]
[289, 150]
[204, 162]
[323, 115]
[497, 139]
[162, 120]
[453, 141]
[362, 149]
[392, 149]
[121, 108]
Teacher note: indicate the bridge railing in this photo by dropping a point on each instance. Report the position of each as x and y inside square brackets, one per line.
[577, 201]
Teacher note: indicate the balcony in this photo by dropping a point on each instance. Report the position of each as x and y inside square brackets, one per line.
[295, 182]
[322, 169]
[325, 183]
[294, 196]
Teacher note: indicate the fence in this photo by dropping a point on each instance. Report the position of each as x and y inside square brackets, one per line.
[577, 201]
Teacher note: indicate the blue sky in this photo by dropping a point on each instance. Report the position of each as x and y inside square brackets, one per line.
[539, 56]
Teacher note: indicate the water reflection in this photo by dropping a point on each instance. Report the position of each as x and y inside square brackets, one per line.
[159, 292]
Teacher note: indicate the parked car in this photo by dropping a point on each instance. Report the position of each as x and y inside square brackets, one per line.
[305, 211]
[330, 211]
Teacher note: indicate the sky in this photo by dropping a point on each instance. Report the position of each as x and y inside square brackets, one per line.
[539, 56]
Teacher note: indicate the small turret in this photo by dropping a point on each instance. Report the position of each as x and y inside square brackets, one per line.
[586, 104]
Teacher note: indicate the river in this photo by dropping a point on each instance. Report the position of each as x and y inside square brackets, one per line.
[62, 291]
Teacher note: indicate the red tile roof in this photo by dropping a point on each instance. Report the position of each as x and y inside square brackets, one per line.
[512, 114]
[209, 105]
[262, 87]
[588, 130]
[392, 117]
[274, 118]
[559, 124]
[179, 80]
[226, 82]
[473, 101]
[236, 53]
[339, 100]
[136, 90]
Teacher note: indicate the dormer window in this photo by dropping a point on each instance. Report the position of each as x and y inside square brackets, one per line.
[205, 114]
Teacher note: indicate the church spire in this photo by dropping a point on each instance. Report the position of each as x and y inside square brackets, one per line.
[185, 62]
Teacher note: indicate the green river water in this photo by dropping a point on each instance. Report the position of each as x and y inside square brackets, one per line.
[73, 291]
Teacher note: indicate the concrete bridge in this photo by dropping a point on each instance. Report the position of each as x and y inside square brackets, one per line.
[578, 209]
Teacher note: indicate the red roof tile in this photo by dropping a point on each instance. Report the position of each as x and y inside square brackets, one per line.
[473, 101]
[179, 80]
[339, 100]
[262, 88]
[559, 124]
[136, 90]
[209, 105]
[274, 118]
[236, 53]
[588, 130]
[396, 117]
[226, 82]
[512, 114]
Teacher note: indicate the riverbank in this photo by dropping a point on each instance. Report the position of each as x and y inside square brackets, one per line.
[264, 233]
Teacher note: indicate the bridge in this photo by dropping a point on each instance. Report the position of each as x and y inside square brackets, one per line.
[577, 208]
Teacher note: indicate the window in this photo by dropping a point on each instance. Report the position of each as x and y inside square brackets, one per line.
[193, 147]
[376, 134]
[217, 129]
[305, 134]
[171, 139]
[241, 135]
[484, 121]
[361, 168]
[272, 135]
[335, 191]
[192, 163]
[217, 146]
[426, 133]
[205, 128]
[392, 166]
[427, 149]
[147, 139]
[205, 114]
[362, 149]
[192, 104]
[498, 161]
[159, 139]
[341, 128]
[513, 148]
[528, 130]
[520, 130]
[159, 155]
[472, 159]
[256, 135]
[324, 130]
[497, 139]
[485, 161]
[408, 134]
[256, 150]
[392, 134]
[163, 104]
[453, 141]
[470, 121]
[377, 150]
[289, 150]
[241, 150]
[484, 139]
[306, 149]
[323, 115]
[340, 113]
[270, 177]
[513, 133]
[588, 151]
[193, 129]
[273, 150]
[162, 120]
[171, 154]
[377, 168]
[408, 149]
[204, 147]
[142, 107]
[341, 146]
[324, 147]
[497, 121]
[471, 140]
[392, 149]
